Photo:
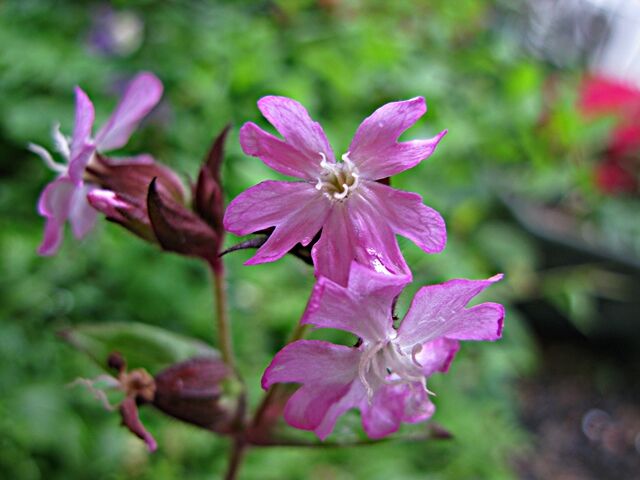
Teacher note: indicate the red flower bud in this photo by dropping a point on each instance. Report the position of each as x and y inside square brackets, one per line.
[123, 193]
[200, 391]
[180, 230]
[208, 196]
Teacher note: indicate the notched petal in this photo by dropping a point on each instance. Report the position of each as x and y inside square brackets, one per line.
[131, 420]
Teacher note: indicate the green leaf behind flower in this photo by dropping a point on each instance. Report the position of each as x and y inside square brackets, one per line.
[143, 346]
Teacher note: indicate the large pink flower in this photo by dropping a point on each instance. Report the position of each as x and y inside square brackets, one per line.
[358, 215]
[384, 375]
[65, 198]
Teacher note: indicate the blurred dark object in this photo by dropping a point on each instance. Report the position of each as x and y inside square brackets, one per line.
[583, 409]
[588, 277]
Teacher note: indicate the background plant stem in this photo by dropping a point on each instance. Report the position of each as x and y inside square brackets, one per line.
[222, 316]
[235, 458]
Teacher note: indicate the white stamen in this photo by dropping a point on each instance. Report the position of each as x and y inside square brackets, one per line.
[323, 162]
[342, 194]
[386, 363]
[367, 361]
[337, 180]
[414, 354]
[46, 158]
[346, 159]
[61, 142]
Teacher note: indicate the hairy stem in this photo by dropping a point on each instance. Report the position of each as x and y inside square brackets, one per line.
[222, 315]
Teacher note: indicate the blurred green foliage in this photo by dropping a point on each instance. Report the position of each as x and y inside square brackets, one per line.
[341, 59]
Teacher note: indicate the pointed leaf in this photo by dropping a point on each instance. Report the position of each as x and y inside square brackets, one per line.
[143, 346]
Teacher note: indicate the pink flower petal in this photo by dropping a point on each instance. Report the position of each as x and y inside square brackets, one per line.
[417, 404]
[439, 311]
[353, 231]
[277, 154]
[142, 94]
[82, 215]
[293, 122]
[374, 148]
[393, 404]
[437, 355]
[326, 372]
[83, 124]
[408, 216]
[109, 203]
[333, 253]
[364, 308]
[376, 244]
[351, 399]
[54, 204]
[297, 211]
[130, 419]
[79, 162]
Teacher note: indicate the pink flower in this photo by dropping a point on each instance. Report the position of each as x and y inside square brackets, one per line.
[358, 215]
[384, 374]
[65, 198]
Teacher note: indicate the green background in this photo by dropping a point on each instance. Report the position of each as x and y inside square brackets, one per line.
[341, 59]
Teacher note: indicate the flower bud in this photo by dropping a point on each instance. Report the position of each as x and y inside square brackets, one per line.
[200, 391]
[180, 230]
[123, 193]
[208, 197]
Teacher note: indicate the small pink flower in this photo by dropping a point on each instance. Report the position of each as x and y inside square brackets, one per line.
[384, 374]
[66, 197]
[358, 215]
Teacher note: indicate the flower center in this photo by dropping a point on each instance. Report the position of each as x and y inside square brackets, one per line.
[337, 180]
[386, 363]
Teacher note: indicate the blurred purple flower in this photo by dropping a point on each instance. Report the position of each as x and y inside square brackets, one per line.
[384, 374]
[358, 215]
[115, 32]
[66, 197]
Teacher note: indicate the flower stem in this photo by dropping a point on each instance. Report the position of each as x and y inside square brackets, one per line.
[238, 447]
[235, 458]
[222, 315]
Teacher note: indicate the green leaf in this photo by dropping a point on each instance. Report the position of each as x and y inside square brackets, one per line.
[143, 346]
